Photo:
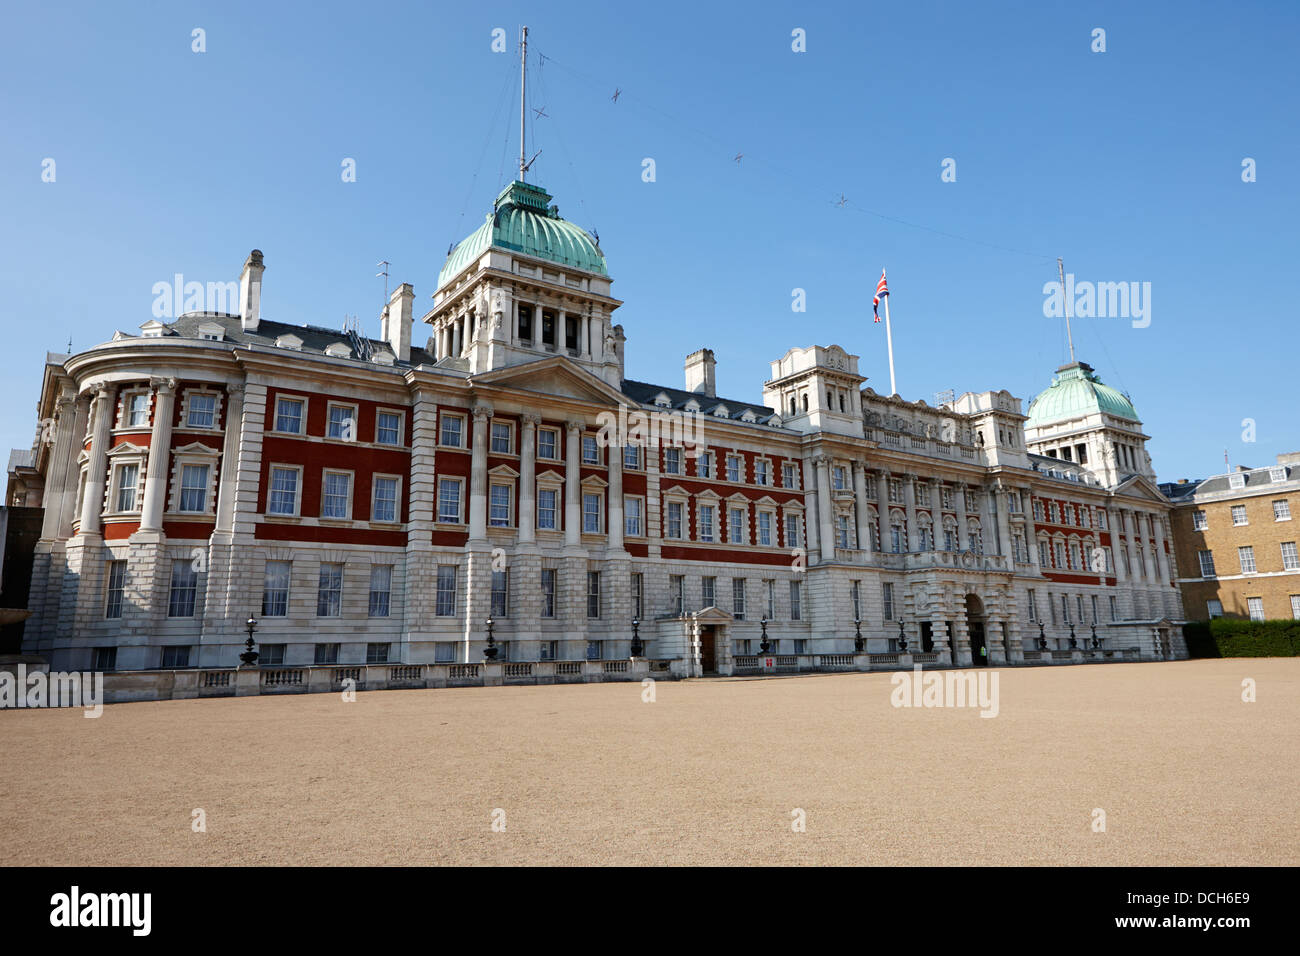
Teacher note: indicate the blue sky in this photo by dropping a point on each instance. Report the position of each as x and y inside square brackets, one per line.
[1127, 163]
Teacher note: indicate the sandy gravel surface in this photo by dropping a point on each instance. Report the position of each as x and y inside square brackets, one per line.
[707, 774]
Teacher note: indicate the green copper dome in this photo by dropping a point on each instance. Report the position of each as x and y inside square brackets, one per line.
[523, 221]
[1075, 392]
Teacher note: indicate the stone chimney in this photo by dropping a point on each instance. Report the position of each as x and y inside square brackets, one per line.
[250, 291]
[700, 374]
[396, 323]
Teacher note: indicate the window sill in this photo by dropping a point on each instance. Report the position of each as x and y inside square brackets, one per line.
[335, 522]
[282, 519]
[386, 525]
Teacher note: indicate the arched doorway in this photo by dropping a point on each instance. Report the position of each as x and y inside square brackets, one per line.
[975, 628]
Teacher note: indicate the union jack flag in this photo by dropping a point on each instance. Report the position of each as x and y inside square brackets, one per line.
[881, 291]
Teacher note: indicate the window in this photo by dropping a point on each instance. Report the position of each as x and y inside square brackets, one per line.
[444, 652]
[898, 540]
[708, 592]
[329, 591]
[1237, 481]
[736, 525]
[453, 431]
[738, 598]
[381, 589]
[1282, 510]
[674, 529]
[761, 471]
[342, 422]
[546, 509]
[500, 593]
[449, 500]
[445, 604]
[789, 475]
[116, 588]
[1290, 561]
[548, 650]
[887, 599]
[288, 415]
[1044, 555]
[388, 428]
[796, 601]
[706, 522]
[770, 586]
[1246, 556]
[180, 600]
[638, 595]
[272, 655]
[1277, 473]
[1114, 608]
[842, 533]
[733, 468]
[499, 506]
[202, 410]
[284, 491]
[765, 528]
[105, 659]
[1295, 607]
[631, 457]
[855, 597]
[632, 517]
[127, 477]
[548, 592]
[595, 650]
[677, 593]
[1031, 607]
[590, 513]
[1199, 522]
[1255, 606]
[383, 507]
[327, 653]
[922, 493]
[593, 594]
[590, 451]
[137, 410]
[1038, 510]
[194, 488]
[176, 656]
[1239, 515]
[1065, 608]
[895, 491]
[672, 461]
[275, 589]
[704, 465]
[501, 435]
[792, 537]
[377, 653]
[336, 500]
[1214, 608]
[1060, 554]
[548, 443]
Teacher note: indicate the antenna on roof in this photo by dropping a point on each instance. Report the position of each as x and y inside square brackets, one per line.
[383, 264]
[69, 343]
[523, 101]
[1060, 268]
[946, 397]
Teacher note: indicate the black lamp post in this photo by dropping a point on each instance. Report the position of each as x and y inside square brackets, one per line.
[1096, 641]
[1042, 638]
[764, 644]
[249, 656]
[1073, 643]
[637, 648]
[490, 652]
[902, 638]
[858, 641]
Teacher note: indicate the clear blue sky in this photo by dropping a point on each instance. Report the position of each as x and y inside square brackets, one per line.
[1126, 163]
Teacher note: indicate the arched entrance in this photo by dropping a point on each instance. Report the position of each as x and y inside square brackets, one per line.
[975, 628]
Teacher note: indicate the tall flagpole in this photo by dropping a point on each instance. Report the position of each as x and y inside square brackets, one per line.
[889, 338]
[523, 97]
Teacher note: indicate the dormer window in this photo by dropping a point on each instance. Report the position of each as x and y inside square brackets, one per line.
[212, 332]
[338, 350]
[288, 341]
[1237, 482]
[1277, 473]
[663, 401]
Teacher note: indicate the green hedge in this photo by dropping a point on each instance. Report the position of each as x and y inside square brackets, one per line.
[1226, 637]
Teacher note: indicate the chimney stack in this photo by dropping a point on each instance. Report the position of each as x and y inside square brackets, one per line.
[700, 373]
[397, 321]
[250, 291]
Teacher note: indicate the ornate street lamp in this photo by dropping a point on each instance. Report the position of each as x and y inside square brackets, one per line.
[1073, 643]
[637, 648]
[490, 652]
[1096, 641]
[1042, 638]
[858, 641]
[765, 644]
[902, 638]
[249, 656]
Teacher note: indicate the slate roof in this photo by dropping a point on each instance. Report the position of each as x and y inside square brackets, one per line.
[645, 393]
[1257, 480]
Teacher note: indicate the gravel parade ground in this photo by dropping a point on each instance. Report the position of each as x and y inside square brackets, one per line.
[710, 772]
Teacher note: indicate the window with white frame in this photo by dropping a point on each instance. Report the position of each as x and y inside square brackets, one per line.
[135, 410]
[887, 600]
[500, 593]
[1290, 560]
[449, 495]
[895, 491]
[502, 435]
[336, 495]
[591, 517]
[593, 594]
[1295, 607]
[1031, 605]
[1255, 607]
[546, 508]
[706, 522]
[289, 415]
[897, 535]
[1239, 516]
[275, 589]
[381, 590]
[796, 601]
[200, 409]
[1199, 521]
[452, 432]
[1246, 555]
[1044, 556]
[590, 450]
[329, 590]
[638, 595]
[1206, 559]
[383, 504]
[1114, 608]
[789, 475]
[708, 591]
[736, 525]
[283, 498]
[445, 598]
[499, 504]
[1214, 608]
[193, 495]
[855, 598]
[762, 471]
[548, 592]
[1282, 510]
[341, 421]
[704, 465]
[1038, 510]
[388, 427]
[793, 533]
[769, 586]
[632, 515]
[632, 457]
[765, 529]
[922, 492]
[733, 468]
[738, 598]
[126, 478]
[842, 531]
[548, 444]
[673, 520]
[184, 587]
[1236, 481]
[1277, 473]
[115, 588]
[672, 461]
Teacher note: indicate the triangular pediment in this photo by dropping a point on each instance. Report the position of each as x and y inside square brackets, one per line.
[555, 377]
[1138, 486]
[712, 614]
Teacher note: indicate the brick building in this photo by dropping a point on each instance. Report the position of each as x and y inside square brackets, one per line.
[1236, 542]
[373, 500]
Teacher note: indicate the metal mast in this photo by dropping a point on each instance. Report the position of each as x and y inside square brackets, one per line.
[523, 102]
[1065, 305]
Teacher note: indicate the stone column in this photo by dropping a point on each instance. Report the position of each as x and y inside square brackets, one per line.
[995, 640]
[1004, 525]
[62, 470]
[1031, 532]
[232, 420]
[936, 512]
[1135, 547]
[478, 477]
[939, 634]
[1163, 560]
[562, 331]
[572, 484]
[860, 500]
[811, 520]
[92, 504]
[614, 529]
[959, 501]
[826, 527]
[156, 472]
[909, 502]
[528, 477]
